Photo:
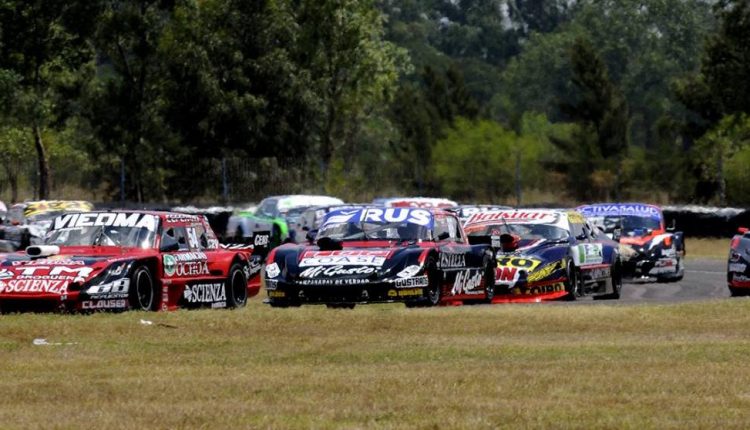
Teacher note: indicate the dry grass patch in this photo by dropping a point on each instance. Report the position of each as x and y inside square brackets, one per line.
[679, 366]
[716, 248]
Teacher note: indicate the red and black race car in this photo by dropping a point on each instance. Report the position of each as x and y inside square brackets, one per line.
[417, 256]
[738, 271]
[128, 260]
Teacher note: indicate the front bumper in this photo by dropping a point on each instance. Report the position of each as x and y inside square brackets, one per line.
[369, 292]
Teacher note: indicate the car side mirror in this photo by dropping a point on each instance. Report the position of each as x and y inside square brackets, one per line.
[169, 244]
[672, 226]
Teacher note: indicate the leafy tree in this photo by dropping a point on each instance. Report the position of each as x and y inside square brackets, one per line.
[124, 104]
[43, 57]
[353, 69]
[597, 147]
[13, 154]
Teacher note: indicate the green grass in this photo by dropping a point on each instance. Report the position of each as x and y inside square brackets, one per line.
[383, 366]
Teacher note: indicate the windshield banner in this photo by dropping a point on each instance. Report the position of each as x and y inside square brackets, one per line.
[421, 217]
[108, 219]
[620, 209]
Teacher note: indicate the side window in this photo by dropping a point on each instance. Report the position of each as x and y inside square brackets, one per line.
[197, 237]
[176, 234]
[268, 208]
[578, 231]
[454, 230]
[442, 229]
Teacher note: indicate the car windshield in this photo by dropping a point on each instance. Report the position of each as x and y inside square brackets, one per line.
[127, 230]
[526, 231]
[127, 237]
[639, 225]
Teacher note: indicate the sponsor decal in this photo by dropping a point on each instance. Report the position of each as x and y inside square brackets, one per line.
[640, 210]
[662, 266]
[740, 278]
[104, 304]
[409, 271]
[170, 264]
[421, 217]
[314, 272]
[271, 285]
[507, 275]
[276, 294]
[56, 273]
[419, 281]
[272, 270]
[588, 253]
[527, 264]
[452, 261]
[178, 217]
[185, 264]
[544, 272]
[49, 261]
[343, 258]
[261, 240]
[252, 268]
[6, 274]
[113, 219]
[34, 286]
[411, 292]
[467, 282]
[205, 293]
[57, 206]
[547, 217]
[737, 267]
[598, 273]
[544, 289]
[113, 290]
[334, 281]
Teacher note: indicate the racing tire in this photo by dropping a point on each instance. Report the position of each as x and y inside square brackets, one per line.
[616, 279]
[489, 280]
[340, 305]
[236, 287]
[737, 292]
[572, 284]
[142, 292]
[434, 289]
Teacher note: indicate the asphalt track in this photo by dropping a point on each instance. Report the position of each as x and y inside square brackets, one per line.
[704, 280]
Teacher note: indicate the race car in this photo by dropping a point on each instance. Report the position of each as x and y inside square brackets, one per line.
[26, 223]
[415, 202]
[417, 256]
[650, 250]
[274, 214]
[123, 260]
[738, 275]
[464, 212]
[547, 255]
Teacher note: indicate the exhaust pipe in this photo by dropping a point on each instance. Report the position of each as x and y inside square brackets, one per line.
[42, 250]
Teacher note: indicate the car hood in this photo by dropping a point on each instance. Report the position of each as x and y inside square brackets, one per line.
[24, 275]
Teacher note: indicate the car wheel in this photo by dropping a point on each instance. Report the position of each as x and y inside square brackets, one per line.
[489, 279]
[340, 305]
[737, 292]
[236, 287]
[142, 294]
[434, 287]
[616, 280]
[572, 284]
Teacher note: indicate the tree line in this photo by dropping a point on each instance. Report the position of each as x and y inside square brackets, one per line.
[519, 101]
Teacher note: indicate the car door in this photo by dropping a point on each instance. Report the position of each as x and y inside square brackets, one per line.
[462, 267]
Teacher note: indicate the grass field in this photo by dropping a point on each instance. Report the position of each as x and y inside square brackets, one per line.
[713, 248]
[382, 366]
